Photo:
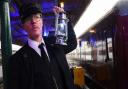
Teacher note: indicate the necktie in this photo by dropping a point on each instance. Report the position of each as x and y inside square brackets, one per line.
[47, 63]
[43, 53]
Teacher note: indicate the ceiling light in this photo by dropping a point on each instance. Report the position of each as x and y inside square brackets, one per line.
[94, 13]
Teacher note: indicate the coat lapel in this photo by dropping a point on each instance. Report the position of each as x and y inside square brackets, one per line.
[57, 52]
[28, 63]
[58, 55]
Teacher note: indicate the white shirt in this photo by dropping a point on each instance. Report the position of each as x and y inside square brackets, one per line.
[34, 44]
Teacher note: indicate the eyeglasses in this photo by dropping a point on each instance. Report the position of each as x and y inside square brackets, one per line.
[35, 17]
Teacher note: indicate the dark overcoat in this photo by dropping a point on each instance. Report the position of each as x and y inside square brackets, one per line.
[20, 70]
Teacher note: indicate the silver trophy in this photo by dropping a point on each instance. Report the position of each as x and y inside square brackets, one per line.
[61, 28]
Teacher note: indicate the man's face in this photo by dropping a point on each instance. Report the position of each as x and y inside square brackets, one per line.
[33, 25]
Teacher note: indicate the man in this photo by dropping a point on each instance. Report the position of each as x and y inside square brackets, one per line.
[32, 68]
